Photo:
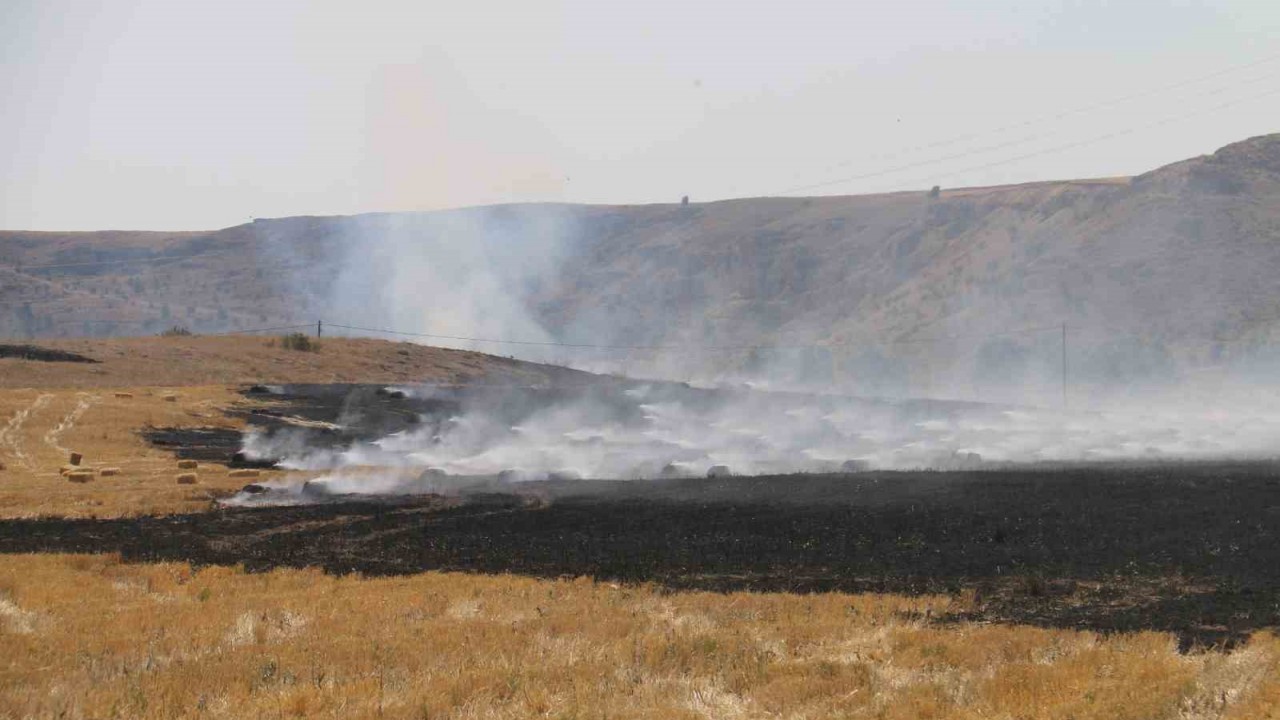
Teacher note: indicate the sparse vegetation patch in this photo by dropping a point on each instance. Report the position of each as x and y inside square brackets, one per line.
[299, 341]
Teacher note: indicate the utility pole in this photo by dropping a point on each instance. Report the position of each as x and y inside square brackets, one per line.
[319, 328]
[1064, 366]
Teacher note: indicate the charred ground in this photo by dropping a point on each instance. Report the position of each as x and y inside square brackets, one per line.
[42, 354]
[1190, 549]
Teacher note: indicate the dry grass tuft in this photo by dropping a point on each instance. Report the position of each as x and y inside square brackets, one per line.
[297, 643]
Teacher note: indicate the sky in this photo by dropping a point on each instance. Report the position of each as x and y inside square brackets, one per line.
[172, 115]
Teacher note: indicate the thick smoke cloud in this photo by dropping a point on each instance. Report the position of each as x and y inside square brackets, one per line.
[644, 431]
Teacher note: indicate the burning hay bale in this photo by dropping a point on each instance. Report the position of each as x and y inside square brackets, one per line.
[76, 458]
[719, 471]
[80, 476]
[186, 479]
[855, 466]
[243, 473]
[187, 464]
[109, 472]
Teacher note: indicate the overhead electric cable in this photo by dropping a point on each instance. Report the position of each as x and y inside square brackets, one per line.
[1047, 151]
[1070, 112]
[775, 346]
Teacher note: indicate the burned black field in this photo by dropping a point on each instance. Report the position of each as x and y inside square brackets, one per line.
[1186, 548]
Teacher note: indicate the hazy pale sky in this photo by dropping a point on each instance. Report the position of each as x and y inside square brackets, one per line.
[168, 114]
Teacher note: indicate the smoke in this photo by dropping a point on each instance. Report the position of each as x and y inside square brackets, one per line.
[788, 319]
[463, 273]
[638, 431]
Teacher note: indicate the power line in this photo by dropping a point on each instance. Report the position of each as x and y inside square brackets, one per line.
[1061, 148]
[1118, 133]
[1071, 112]
[538, 343]
[256, 330]
[776, 346]
[950, 338]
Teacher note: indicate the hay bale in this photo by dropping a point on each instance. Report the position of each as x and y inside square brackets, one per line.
[187, 479]
[170, 398]
[243, 473]
[109, 472]
[124, 395]
[187, 464]
[76, 458]
[80, 476]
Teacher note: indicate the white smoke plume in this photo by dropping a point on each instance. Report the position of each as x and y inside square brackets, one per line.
[665, 431]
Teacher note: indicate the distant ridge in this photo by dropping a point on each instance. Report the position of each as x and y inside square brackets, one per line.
[1178, 267]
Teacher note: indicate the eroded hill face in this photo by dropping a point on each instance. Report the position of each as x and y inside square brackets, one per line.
[1155, 275]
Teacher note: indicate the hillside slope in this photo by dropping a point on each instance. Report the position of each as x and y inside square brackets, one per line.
[230, 360]
[1167, 271]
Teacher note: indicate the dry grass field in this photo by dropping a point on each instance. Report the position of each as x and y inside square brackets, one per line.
[49, 409]
[87, 636]
[39, 428]
[219, 360]
[90, 636]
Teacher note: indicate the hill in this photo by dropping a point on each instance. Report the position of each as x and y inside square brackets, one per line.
[966, 291]
[230, 360]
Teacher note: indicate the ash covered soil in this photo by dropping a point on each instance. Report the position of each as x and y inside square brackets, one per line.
[1186, 548]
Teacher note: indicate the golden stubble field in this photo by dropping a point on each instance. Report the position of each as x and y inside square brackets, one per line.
[40, 427]
[49, 409]
[89, 636]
